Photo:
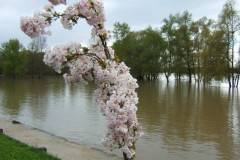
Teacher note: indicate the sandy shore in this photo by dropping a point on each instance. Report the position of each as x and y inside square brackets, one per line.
[55, 145]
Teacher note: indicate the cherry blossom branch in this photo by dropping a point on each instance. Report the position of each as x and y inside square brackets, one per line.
[74, 18]
[94, 56]
[115, 94]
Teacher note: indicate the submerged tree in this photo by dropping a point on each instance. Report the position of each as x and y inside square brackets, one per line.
[202, 30]
[143, 51]
[116, 87]
[229, 23]
[186, 50]
[129, 51]
[153, 53]
[35, 54]
[13, 58]
[169, 32]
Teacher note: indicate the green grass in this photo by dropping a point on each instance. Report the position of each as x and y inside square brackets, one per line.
[11, 149]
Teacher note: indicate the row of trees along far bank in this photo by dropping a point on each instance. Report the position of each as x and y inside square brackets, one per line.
[15, 60]
[202, 49]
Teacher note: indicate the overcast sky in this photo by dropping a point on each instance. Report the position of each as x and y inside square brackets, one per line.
[139, 14]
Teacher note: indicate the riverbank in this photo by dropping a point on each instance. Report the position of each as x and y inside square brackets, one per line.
[56, 146]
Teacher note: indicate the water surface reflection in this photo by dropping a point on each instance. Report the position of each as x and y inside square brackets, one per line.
[181, 121]
[185, 121]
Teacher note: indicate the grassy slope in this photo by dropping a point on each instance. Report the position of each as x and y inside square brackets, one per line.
[11, 149]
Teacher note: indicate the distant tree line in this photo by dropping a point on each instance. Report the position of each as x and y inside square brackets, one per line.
[202, 49]
[16, 60]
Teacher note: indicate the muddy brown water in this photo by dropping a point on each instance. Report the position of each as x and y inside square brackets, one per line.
[181, 121]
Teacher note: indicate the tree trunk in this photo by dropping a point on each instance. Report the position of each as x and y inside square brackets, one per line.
[229, 82]
[190, 77]
[126, 158]
[167, 77]
[233, 85]
[189, 73]
[237, 80]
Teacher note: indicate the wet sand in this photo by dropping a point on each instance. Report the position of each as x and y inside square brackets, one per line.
[56, 146]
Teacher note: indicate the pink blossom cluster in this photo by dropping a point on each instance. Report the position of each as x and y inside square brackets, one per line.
[116, 87]
[57, 56]
[92, 11]
[34, 26]
[98, 49]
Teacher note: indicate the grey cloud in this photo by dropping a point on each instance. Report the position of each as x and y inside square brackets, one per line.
[139, 14]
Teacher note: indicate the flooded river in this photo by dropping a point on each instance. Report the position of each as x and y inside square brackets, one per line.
[181, 121]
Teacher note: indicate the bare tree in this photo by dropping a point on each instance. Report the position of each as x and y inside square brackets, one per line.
[38, 44]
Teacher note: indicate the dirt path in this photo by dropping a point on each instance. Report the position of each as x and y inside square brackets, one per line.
[55, 145]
